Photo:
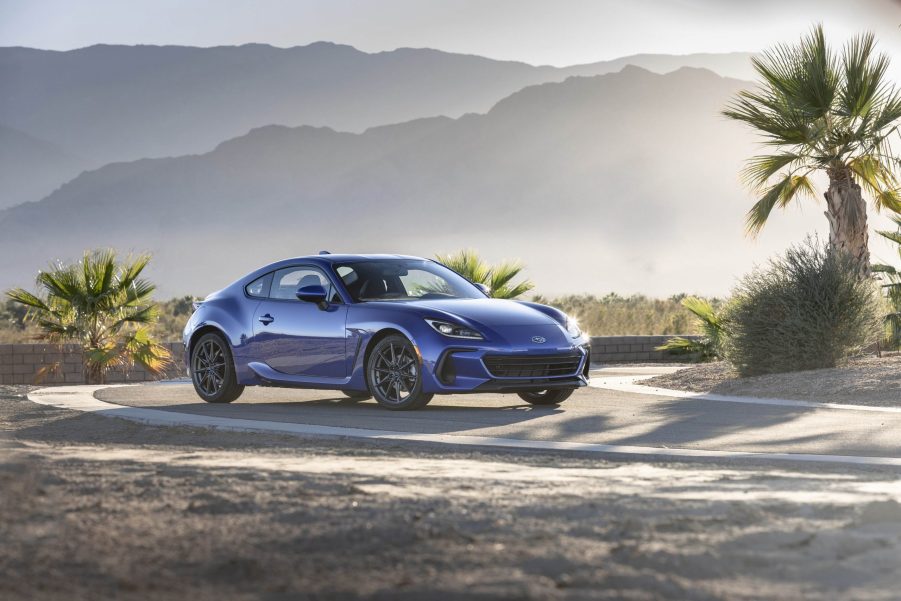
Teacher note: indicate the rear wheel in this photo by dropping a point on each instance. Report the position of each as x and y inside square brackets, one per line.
[394, 375]
[213, 370]
[547, 397]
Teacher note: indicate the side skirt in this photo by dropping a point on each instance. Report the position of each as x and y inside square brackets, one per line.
[269, 377]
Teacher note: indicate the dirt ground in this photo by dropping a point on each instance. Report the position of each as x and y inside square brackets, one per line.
[94, 507]
[864, 381]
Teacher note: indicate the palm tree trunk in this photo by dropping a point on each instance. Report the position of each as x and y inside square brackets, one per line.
[847, 215]
[93, 373]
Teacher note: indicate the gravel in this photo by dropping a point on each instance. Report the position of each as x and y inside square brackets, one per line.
[864, 381]
[94, 507]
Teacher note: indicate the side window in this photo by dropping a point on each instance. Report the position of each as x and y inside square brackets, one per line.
[286, 282]
[351, 280]
[347, 274]
[259, 288]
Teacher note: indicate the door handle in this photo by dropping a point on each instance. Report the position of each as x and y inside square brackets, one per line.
[266, 319]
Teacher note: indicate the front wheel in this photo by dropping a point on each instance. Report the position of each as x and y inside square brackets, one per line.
[394, 375]
[213, 370]
[547, 397]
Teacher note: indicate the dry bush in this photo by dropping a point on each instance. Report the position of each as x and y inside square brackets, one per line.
[807, 310]
[615, 315]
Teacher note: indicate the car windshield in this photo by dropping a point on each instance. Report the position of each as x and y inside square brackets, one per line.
[403, 279]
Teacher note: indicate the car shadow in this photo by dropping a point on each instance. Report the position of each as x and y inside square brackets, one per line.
[324, 408]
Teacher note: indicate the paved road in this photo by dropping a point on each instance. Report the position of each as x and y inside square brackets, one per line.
[591, 415]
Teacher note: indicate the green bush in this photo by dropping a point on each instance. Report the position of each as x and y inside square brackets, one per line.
[710, 346]
[807, 310]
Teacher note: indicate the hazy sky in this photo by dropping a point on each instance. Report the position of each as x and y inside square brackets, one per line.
[558, 32]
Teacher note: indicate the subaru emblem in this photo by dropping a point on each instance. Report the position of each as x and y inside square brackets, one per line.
[539, 339]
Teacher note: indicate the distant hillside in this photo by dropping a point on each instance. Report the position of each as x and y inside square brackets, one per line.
[116, 103]
[122, 103]
[628, 180]
[31, 168]
[736, 65]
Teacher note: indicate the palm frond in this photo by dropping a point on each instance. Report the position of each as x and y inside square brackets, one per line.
[132, 270]
[23, 297]
[878, 179]
[468, 264]
[820, 111]
[888, 112]
[892, 236]
[761, 168]
[710, 345]
[498, 278]
[681, 346]
[141, 348]
[101, 303]
[502, 275]
[779, 194]
[863, 76]
[144, 315]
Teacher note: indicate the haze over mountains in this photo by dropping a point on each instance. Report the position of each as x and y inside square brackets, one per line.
[625, 181]
[30, 168]
[115, 103]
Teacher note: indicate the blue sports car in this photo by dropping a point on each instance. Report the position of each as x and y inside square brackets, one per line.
[397, 328]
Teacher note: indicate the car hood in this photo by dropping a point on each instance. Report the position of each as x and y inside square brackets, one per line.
[491, 312]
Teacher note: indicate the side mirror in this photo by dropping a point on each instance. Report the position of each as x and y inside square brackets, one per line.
[485, 289]
[312, 294]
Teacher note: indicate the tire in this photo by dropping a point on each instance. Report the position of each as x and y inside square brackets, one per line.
[213, 370]
[357, 395]
[547, 397]
[394, 375]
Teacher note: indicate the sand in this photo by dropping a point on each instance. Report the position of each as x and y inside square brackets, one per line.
[864, 381]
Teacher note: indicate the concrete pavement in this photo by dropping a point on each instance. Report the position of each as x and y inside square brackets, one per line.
[592, 416]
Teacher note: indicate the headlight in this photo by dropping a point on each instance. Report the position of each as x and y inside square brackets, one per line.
[454, 330]
[572, 326]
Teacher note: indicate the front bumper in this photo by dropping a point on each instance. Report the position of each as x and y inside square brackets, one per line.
[531, 385]
[463, 369]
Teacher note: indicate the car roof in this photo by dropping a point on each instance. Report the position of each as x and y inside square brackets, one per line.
[346, 258]
[322, 261]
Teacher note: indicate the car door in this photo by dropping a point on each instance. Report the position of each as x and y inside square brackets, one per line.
[301, 338]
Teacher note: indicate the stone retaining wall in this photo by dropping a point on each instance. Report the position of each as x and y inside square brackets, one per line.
[62, 363]
[633, 349]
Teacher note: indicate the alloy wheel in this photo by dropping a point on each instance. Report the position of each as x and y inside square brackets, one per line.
[395, 372]
[208, 367]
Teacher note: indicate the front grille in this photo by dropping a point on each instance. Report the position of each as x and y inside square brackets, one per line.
[505, 366]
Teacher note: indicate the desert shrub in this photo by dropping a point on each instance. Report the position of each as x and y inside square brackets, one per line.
[807, 310]
[617, 315]
[173, 315]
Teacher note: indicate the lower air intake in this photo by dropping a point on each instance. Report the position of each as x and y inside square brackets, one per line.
[503, 366]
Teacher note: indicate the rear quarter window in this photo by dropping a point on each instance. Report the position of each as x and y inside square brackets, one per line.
[259, 288]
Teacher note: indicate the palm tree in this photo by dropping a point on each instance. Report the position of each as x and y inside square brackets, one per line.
[498, 278]
[892, 276]
[823, 112]
[102, 304]
[710, 346]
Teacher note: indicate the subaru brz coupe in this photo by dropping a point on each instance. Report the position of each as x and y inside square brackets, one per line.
[397, 328]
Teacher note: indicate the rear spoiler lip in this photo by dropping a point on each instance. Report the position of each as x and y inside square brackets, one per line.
[197, 304]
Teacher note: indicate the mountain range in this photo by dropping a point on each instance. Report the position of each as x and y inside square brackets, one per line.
[105, 103]
[623, 181]
[30, 168]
